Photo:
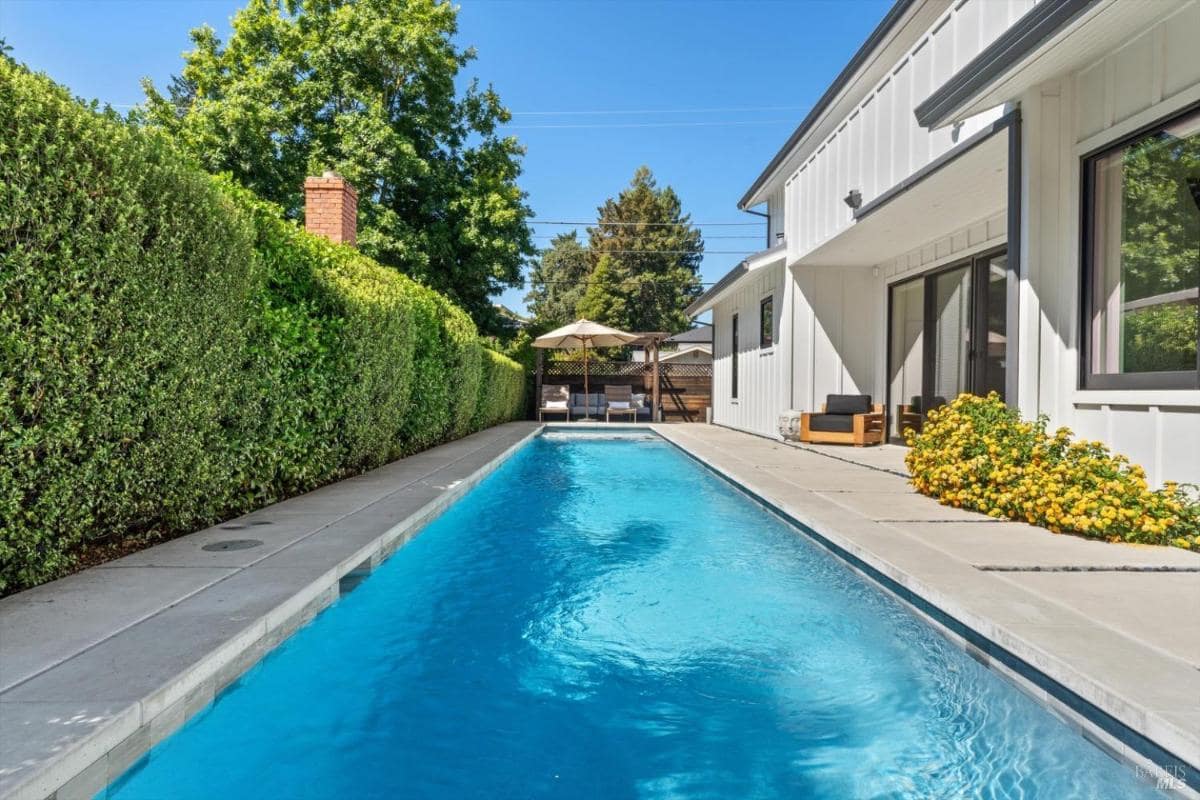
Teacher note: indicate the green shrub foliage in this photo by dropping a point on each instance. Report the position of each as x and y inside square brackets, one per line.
[173, 352]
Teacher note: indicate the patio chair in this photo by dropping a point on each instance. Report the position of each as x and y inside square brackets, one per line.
[554, 401]
[619, 400]
[912, 415]
[844, 419]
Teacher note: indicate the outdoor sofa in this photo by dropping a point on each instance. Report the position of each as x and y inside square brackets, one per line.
[595, 405]
[844, 419]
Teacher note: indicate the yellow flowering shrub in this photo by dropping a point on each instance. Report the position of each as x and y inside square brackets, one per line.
[977, 453]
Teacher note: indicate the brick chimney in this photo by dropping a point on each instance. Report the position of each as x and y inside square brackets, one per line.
[331, 208]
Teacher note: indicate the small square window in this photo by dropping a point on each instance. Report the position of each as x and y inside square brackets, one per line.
[766, 322]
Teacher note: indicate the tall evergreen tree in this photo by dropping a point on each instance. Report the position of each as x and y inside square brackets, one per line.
[366, 88]
[646, 260]
[558, 281]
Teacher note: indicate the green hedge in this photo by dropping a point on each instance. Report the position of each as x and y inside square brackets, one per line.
[173, 352]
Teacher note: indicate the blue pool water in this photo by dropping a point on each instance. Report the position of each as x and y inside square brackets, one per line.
[606, 619]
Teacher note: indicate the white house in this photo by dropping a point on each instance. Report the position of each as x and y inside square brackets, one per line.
[693, 346]
[992, 195]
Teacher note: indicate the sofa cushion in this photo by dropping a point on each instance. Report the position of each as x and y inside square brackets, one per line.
[848, 404]
[831, 423]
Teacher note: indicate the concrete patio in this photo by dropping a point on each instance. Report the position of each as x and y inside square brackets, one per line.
[1115, 624]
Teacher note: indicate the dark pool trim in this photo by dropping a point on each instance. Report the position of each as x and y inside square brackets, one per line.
[989, 653]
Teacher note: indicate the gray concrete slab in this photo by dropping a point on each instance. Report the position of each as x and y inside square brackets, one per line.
[83, 610]
[906, 507]
[1141, 605]
[1017, 545]
[142, 643]
[1114, 638]
[888, 457]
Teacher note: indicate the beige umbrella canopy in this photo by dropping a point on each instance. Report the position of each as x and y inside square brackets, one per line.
[584, 334]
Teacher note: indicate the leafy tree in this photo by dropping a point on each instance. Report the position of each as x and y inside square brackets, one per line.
[1160, 251]
[558, 281]
[366, 88]
[646, 257]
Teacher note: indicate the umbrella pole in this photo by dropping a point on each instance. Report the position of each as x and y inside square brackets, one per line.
[587, 409]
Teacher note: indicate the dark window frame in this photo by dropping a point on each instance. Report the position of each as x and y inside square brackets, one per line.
[1088, 380]
[766, 337]
[733, 360]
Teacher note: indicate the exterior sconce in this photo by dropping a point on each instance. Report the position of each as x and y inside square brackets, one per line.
[854, 199]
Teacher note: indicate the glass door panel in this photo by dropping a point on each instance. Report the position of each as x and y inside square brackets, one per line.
[950, 344]
[907, 356]
[994, 357]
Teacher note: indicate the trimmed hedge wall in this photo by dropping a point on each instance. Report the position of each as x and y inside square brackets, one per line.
[173, 352]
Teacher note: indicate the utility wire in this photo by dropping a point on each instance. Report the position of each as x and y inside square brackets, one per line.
[594, 223]
[706, 238]
[615, 112]
[721, 124]
[670, 252]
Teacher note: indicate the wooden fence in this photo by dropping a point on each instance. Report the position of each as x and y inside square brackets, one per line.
[685, 389]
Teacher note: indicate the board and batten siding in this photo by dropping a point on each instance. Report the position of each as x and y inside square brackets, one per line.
[761, 373]
[1153, 75]
[836, 321]
[879, 143]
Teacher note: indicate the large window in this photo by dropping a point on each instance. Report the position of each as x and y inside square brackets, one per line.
[733, 358]
[1142, 260]
[766, 322]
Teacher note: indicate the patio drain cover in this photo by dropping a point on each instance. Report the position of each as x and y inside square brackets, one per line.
[231, 544]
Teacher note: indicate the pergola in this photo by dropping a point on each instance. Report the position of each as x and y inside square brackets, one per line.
[651, 342]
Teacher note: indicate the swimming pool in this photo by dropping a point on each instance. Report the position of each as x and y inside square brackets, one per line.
[605, 618]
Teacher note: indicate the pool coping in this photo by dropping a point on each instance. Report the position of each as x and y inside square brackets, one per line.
[1077, 698]
[84, 764]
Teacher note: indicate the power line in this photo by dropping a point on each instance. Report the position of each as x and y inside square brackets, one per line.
[670, 252]
[706, 238]
[597, 283]
[721, 124]
[615, 112]
[594, 223]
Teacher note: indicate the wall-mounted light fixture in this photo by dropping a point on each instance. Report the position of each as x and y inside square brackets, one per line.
[854, 199]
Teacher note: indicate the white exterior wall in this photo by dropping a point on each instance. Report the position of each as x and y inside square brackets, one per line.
[836, 323]
[762, 374]
[775, 221]
[879, 143]
[1155, 74]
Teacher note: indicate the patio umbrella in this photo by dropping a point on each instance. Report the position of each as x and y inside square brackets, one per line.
[583, 334]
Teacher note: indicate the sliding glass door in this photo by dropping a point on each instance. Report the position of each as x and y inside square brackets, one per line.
[946, 336]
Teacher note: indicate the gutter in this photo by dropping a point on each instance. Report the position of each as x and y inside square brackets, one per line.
[889, 21]
[1038, 26]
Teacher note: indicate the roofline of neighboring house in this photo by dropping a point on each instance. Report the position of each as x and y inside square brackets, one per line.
[894, 15]
[1026, 35]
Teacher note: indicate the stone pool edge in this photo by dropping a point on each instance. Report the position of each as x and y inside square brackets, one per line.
[85, 766]
[1128, 732]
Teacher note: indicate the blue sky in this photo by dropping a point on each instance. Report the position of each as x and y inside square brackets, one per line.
[708, 90]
